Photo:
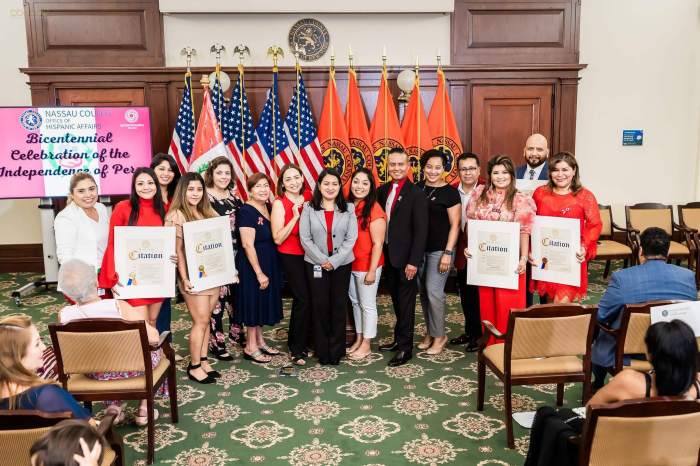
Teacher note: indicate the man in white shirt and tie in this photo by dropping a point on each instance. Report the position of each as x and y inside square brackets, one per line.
[535, 152]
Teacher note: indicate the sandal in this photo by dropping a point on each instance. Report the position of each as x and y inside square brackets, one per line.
[222, 355]
[211, 373]
[118, 412]
[254, 357]
[355, 356]
[269, 351]
[206, 380]
[142, 419]
[298, 360]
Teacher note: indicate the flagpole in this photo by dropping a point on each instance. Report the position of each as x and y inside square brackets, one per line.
[241, 49]
[332, 78]
[298, 69]
[442, 97]
[386, 114]
[275, 51]
[418, 100]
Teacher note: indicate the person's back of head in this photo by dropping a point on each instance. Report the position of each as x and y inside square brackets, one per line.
[78, 280]
[63, 441]
[655, 243]
[16, 335]
[672, 351]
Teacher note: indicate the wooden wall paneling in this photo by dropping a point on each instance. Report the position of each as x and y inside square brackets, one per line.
[94, 32]
[157, 97]
[527, 31]
[21, 258]
[100, 97]
[567, 122]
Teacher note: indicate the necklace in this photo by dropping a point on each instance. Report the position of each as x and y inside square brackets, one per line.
[430, 195]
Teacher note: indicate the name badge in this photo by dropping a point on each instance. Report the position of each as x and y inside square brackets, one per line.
[318, 271]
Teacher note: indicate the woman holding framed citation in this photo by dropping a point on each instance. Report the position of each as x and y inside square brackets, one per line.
[499, 200]
[144, 208]
[190, 203]
[564, 196]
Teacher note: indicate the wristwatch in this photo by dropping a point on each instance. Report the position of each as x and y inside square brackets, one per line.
[447, 252]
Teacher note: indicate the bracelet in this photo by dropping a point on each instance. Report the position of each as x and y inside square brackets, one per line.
[447, 252]
[523, 258]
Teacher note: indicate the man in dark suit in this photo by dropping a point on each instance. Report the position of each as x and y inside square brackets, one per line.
[406, 209]
[653, 280]
[535, 152]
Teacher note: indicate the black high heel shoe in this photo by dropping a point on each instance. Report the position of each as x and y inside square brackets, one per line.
[211, 373]
[207, 380]
[222, 355]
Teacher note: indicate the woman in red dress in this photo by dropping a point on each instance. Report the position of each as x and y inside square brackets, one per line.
[564, 197]
[499, 200]
[144, 208]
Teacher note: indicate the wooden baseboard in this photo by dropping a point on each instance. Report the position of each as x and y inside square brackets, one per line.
[21, 258]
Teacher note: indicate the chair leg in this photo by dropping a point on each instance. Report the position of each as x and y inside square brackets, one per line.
[172, 392]
[586, 389]
[88, 405]
[151, 430]
[625, 263]
[606, 272]
[560, 394]
[508, 402]
[481, 378]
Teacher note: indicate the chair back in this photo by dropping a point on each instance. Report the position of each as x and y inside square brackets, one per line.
[550, 330]
[652, 431]
[100, 345]
[606, 217]
[645, 215]
[20, 429]
[636, 319]
[689, 215]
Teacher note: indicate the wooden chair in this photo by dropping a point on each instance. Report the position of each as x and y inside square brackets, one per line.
[650, 432]
[634, 322]
[544, 344]
[608, 248]
[105, 345]
[689, 218]
[645, 215]
[21, 428]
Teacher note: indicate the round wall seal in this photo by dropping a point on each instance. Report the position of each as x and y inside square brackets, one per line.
[30, 119]
[310, 37]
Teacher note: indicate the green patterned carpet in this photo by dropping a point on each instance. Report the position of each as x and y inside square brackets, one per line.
[357, 413]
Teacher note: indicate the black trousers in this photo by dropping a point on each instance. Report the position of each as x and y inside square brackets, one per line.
[528, 279]
[469, 298]
[403, 297]
[299, 335]
[328, 311]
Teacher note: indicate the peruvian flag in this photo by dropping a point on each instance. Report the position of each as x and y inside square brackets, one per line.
[416, 132]
[443, 128]
[208, 142]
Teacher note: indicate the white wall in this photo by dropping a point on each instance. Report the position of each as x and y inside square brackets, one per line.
[643, 72]
[19, 220]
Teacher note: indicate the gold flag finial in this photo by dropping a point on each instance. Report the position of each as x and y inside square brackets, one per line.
[276, 53]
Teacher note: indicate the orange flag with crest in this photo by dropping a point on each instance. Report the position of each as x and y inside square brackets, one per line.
[333, 135]
[385, 132]
[444, 129]
[358, 132]
[416, 132]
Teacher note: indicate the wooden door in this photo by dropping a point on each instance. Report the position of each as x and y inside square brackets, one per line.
[504, 116]
[101, 97]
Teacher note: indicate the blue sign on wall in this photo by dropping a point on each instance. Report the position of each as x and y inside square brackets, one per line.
[632, 137]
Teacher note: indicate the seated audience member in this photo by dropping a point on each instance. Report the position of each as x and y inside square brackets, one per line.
[672, 351]
[21, 351]
[79, 282]
[653, 280]
[71, 442]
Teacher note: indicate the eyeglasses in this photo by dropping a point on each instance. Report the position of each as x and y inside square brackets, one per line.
[468, 169]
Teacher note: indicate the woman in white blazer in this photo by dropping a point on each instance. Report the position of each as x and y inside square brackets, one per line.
[328, 230]
[82, 228]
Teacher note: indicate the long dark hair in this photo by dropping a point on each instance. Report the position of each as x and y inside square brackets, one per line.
[370, 199]
[673, 354]
[569, 159]
[134, 198]
[160, 158]
[508, 165]
[317, 197]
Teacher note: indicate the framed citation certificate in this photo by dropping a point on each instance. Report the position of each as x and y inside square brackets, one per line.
[555, 241]
[142, 260]
[687, 311]
[209, 252]
[495, 250]
[528, 186]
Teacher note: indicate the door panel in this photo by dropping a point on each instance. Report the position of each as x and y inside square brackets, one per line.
[101, 97]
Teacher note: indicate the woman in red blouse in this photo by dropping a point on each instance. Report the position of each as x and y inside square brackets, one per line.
[499, 200]
[144, 208]
[564, 197]
[286, 211]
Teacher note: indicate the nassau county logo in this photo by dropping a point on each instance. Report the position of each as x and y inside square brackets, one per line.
[310, 37]
[361, 154]
[381, 148]
[30, 119]
[131, 115]
[337, 156]
[414, 154]
[450, 148]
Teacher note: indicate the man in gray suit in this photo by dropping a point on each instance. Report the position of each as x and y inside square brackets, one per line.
[654, 279]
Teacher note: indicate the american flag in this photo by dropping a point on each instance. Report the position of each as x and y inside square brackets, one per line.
[183, 134]
[217, 97]
[301, 131]
[231, 132]
[272, 141]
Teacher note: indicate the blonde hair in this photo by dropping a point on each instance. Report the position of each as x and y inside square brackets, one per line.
[180, 203]
[74, 180]
[15, 338]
